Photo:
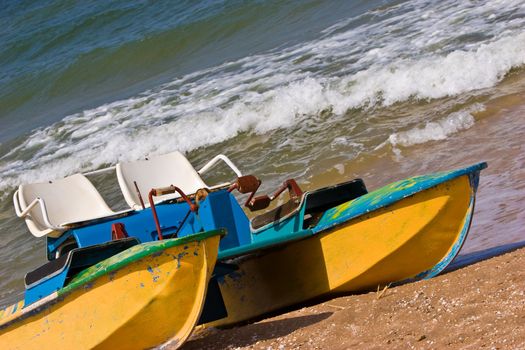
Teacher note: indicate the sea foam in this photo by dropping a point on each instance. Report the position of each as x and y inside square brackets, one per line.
[437, 130]
[413, 51]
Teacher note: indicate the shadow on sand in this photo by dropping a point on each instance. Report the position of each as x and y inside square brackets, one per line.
[474, 257]
[252, 333]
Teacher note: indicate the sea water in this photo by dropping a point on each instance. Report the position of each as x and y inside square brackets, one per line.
[321, 91]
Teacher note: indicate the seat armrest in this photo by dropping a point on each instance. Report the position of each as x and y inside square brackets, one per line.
[215, 159]
[25, 212]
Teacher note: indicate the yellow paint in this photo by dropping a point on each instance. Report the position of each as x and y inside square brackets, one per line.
[391, 244]
[132, 308]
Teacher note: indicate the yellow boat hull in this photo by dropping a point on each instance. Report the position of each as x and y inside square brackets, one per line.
[391, 244]
[151, 300]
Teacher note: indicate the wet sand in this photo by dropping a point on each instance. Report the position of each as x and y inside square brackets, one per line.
[481, 306]
[496, 138]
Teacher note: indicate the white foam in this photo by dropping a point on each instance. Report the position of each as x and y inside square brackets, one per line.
[394, 56]
[436, 77]
[438, 130]
[340, 168]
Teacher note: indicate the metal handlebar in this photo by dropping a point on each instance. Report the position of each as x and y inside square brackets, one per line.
[155, 192]
[250, 184]
[293, 189]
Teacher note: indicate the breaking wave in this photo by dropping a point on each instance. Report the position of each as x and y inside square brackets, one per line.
[438, 130]
[409, 52]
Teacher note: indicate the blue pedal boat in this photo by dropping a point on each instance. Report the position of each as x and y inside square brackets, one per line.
[333, 240]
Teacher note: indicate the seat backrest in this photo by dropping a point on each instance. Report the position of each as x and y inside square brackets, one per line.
[161, 171]
[67, 200]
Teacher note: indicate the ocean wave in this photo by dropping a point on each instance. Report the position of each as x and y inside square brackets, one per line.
[348, 68]
[436, 77]
[437, 130]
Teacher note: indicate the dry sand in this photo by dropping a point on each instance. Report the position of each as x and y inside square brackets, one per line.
[481, 306]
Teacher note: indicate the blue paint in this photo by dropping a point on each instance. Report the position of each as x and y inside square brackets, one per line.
[474, 181]
[179, 258]
[388, 195]
[270, 239]
[54, 243]
[221, 210]
[140, 224]
[45, 287]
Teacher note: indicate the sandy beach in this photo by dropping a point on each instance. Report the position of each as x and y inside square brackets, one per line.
[480, 306]
[322, 92]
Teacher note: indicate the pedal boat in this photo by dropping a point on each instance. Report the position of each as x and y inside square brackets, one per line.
[122, 293]
[406, 231]
[318, 244]
[322, 243]
[139, 298]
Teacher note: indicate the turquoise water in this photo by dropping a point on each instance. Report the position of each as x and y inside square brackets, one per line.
[60, 57]
[317, 90]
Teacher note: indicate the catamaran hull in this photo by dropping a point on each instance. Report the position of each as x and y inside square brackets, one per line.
[142, 297]
[413, 238]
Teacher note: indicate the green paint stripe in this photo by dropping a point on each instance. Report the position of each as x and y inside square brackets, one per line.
[388, 195]
[264, 244]
[131, 255]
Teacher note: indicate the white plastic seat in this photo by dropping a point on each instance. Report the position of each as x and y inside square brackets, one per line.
[162, 171]
[49, 208]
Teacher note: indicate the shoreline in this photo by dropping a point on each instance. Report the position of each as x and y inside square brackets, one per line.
[476, 306]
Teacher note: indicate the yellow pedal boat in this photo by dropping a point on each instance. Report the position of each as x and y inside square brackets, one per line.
[411, 229]
[146, 295]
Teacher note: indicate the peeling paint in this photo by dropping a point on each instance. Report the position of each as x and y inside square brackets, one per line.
[109, 317]
[179, 258]
[387, 195]
[111, 275]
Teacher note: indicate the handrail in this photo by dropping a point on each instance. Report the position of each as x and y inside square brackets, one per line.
[215, 159]
[99, 171]
[23, 213]
[155, 192]
[202, 170]
[17, 204]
